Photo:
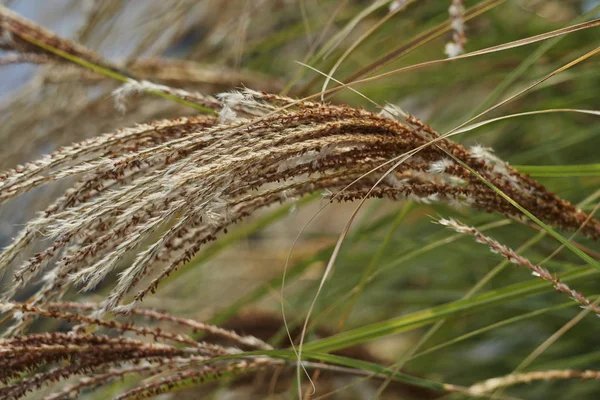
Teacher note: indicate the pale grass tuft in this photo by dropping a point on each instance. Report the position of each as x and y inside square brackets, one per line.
[397, 5]
[456, 47]
[537, 270]
[440, 166]
[492, 384]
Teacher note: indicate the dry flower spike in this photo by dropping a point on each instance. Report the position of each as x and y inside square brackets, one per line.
[66, 364]
[32, 361]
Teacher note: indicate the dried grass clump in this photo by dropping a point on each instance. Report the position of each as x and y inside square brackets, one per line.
[157, 349]
[32, 361]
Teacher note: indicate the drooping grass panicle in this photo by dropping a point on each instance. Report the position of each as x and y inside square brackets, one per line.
[90, 355]
[49, 358]
[536, 270]
[198, 375]
[529, 377]
[192, 177]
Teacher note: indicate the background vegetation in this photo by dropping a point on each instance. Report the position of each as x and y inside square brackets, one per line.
[405, 291]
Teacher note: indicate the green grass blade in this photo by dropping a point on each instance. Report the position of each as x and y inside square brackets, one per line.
[526, 64]
[559, 171]
[375, 260]
[496, 325]
[333, 359]
[457, 308]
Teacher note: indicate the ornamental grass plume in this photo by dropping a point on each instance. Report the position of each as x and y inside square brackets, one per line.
[157, 348]
[192, 177]
[536, 270]
[30, 362]
[187, 179]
